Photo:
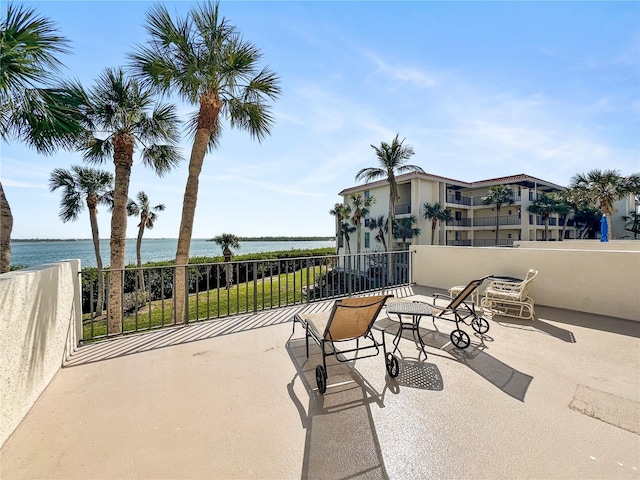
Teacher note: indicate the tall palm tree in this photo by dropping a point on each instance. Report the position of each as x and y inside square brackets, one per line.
[498, 194]
[94, 187]
[603, 188]
[361, 206]
[544, 206]
[121, 115]
[148, 217]
[436, 214]
[562, 207]
[392, 160]
[29, 49]
[404, 229]
[341, 212]
[346, 229]
[227, 241]
[207, 62]
[380, 224]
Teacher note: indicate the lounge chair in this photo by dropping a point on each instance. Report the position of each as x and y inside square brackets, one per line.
[510, 299]
[350, 321]
[459, 309]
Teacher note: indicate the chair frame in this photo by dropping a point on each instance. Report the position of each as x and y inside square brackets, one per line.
[461, 310]
[499, 298]
[327, 342]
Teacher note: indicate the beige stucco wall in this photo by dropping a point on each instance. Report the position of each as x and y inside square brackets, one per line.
[633, 245]
[604, 282]
[40, 322]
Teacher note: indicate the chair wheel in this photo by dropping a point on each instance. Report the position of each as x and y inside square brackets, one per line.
[321, 378]
[460, 339]
[392, 364]
[480, 325]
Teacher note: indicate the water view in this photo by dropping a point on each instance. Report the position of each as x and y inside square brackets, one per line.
[30, 253]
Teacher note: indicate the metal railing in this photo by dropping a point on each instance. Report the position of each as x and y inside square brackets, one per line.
[216, 290]
[459, 201]
[491, 221]
[460, 222]
[403, 209]
[502, 242]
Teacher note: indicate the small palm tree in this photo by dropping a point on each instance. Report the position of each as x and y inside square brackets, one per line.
[498, 194]
[392, 160]
[346, 229]
[29, 49]
[341, 212]
[404, 229]
[436, 214]
[603, 188]
[361, 206]
[148, 217]
[227, 241]
[121, 115]
[94, 187]
[207, 62]
[632, 223]
[544, 206]
[379, 224]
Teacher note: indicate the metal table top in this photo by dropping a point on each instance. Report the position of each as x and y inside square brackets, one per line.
[408, 308]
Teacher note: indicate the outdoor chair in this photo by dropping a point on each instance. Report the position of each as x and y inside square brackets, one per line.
[458, 309]
[348, 323]
[511, 299]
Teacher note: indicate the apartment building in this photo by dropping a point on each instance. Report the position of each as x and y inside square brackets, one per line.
[473, 223]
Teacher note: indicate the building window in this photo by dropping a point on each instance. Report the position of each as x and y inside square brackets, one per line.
[367, 240]
[366, 194]
[458, 215]
[366, 222]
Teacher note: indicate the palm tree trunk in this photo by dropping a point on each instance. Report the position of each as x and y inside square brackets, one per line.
[564, 227]
[93, 219]
[186, 224]
[139, 255]
[433, 231]
[6, 226]
[546, 228]
[392, 209]
[123, 160]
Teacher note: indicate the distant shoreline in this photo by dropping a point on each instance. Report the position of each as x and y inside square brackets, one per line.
[242, 239]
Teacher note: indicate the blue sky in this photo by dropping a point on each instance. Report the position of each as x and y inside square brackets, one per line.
[479, 89]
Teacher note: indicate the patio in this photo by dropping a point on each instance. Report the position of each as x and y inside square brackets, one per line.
[235, 398]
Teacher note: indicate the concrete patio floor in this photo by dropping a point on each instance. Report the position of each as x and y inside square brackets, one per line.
[236, 398]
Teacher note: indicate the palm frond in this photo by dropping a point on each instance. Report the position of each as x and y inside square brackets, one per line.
[162, 158]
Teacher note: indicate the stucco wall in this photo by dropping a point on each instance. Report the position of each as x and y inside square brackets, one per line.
[604, 282]
[40, 322]
[583, 245]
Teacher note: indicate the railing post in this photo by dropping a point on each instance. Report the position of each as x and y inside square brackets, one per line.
[186, 294]
[255, 287]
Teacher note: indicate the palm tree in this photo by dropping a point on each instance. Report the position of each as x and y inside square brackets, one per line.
[603, 188]
[498, 194]
[120, 115]
[361, 206]
[29, 49]
[379, 224]
[392, 160]
[346, 231]
[207, 62]
[544, 206]
[563, 206]
[94, 187]
[404, 229]
[227, 241]
[436, 213]
[148, 217]
[341, 212]
[632, 223]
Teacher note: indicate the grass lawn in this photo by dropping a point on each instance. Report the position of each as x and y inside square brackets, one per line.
[275, 291]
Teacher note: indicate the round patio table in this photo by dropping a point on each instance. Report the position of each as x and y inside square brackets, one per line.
[417, 310]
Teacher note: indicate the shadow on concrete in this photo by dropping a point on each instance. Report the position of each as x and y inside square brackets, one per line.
[538, 325]
[603, 323]
[341, 440]
[511, 381]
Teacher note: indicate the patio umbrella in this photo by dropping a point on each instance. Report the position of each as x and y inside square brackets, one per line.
[604, 229]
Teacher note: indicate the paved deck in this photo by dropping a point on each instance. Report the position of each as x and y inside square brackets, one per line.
[236, 398]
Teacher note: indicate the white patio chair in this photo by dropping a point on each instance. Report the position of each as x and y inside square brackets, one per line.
[510, 299]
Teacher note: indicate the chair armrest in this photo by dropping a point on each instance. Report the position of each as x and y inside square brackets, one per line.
[496, 285]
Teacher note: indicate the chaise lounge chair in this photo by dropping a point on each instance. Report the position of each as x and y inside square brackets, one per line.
[459, 309]
[510, 299]
[349, 321]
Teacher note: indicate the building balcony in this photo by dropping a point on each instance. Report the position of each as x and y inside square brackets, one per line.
[491, 221]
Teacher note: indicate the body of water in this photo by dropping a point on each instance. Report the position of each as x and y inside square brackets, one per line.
[29, 254]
